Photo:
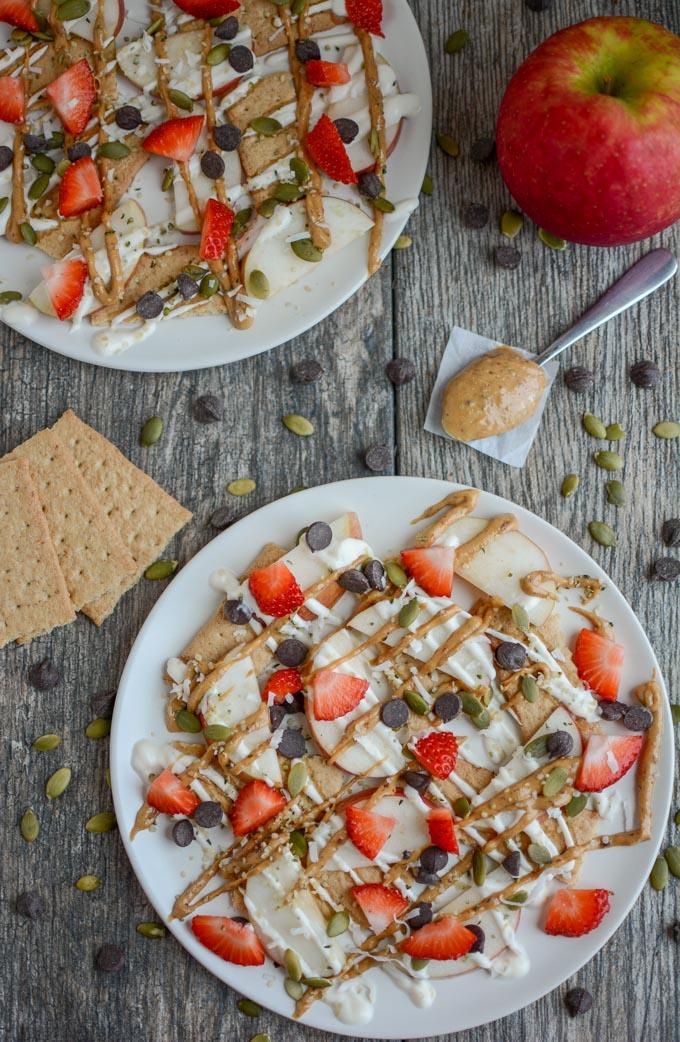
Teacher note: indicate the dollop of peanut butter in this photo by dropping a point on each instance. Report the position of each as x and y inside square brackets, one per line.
[491, 395]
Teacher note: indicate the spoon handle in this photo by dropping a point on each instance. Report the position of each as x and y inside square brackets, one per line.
[646, 275]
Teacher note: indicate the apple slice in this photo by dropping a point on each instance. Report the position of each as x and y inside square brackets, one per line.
[185, 220]
[126, 218]
[233, 696]
[410, 831]
[494, 941]
[183, 52]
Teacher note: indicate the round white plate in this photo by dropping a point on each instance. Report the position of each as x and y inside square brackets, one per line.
[196, 343]
[385, 506]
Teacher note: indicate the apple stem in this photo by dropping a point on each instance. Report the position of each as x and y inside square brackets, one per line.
[606, 85]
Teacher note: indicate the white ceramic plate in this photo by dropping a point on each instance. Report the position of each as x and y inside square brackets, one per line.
[196, 343]
[385, 506]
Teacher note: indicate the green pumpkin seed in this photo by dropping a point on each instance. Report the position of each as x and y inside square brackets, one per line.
[461, 807]
[28, 234]
[575, 806]
[299, 425]
[8, 296]
[266, 209]
[608, 460]
[168, 179]
[98, 728]
[298, 776]
[593, 425]
[537, 747]
[113, 150]
[217, 732]
[154, 26]
[615, 432]
[105, 821]
[29, 826]
[658, 877]
[294, 988]
[248, 1007]
[456, 41]
[482, 720]
[403, 242]
[337, 924]
[427, 187]
[383, 204]
[45, 164]
[529, 687]
[416, 703]
[569, 485]
[40, 34]
[448, 144]
[187, 721]
[217, 55]
[39, 186]
[511, 223]
[602, 533]
[292, 964]
[616, 493]
[419, 964]
[298, 844]
[539, 854]
[72, 9]
[672, 855]
[86, 884]
[676, 819]
[241, 487]
[265, 125]
[20, 37]
[298, 6]
[181, 100]
[262, 1037]
[154, 931]
[307, 251]
[396, 574]
[374, 142]
[287, 192]
[162, 569]
[46, 742]
[479, 867]
[316, 982]
[151, 432]
[517, 898]
[471, 705]
[258, 285]
[62, 166]
[57, 784]
[299, 170]
[409, 613]
[675, 713]
[550, 240]
[241, 218]
[555, 782]
[208, 286]
[666, 429]
[3, 202]
[520, 617]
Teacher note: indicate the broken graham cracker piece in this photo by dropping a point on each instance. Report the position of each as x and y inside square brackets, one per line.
[33, 595]
[90, 552]
[145, 516]
[264, 22]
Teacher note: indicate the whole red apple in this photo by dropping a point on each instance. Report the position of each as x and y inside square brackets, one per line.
[588, 134]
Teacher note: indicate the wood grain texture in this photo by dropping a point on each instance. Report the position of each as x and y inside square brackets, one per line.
[51, 991]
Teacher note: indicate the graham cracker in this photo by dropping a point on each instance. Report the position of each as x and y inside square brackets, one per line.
[261, 17]
[258, 153]
[90, 552]
[143, 514]
[267, 95]
[33, 595]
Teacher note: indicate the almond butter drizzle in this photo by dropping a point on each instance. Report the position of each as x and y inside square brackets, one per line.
[534, 584]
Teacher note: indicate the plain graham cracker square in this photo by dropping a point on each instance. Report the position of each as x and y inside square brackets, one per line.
[33, 594]
[145, 516]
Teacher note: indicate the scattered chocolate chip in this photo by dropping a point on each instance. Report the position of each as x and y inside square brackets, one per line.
[378, 457]
[128, 117]
[612, 710]
[426, 878]
[478, 946]
[79, 150]
[227, 29]
[354, 581]
[394, 713]
[241, 59]
[670, 532]
[30, 905]
[448, 705]
[578, 378]
[638, 718]
[6, 156]
[110, 958]
[294, 703]
[507, 257]
[675, 932]
[510, 656]
[101, 703]
[400, 371]
[418, 916]
[237, 612]
[666, 569]
[476, 215]
[483, 149]
[186, 286]
[406, 854]
[292, 744]
[347, 129]
[212, 165]
[559, 743]
[307, 51]
[208, 408]
[36, 143]
[416, 780]
[149, 305]
[306, 371]
[370, 185]
[645, 373]
[291, 652]
[318, 536]
[375, 574]
[512, 863]
[44, 675]
[240, 919]
[433, 859]
[577, 1000]
[208, 814]
[221, 518]
[183, 832]
[227, 137]
[277, 712]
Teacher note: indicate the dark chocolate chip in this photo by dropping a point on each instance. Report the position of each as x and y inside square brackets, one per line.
[483, 149]
[128, 117]
[212, 165]
[36, 143]
[101, 703]
[612, 710]
[306, 371]
[507, 257]
[208, 408]
[370, 185]
[110, 958]
[79, 150]
[208, 814]
[375, 573]
[318, 536]
[183, 832]
[186, 286]
[559, 743]
[291, 652]
[478, 946]
[221, 518]
[666, 569]
[307, 51]
[538, 5]
[277, 712]
[418, 916]
[638, 718]
[670, 532]
[675, 932]
[394, 713]
[433, 859]
[30, 905]
[378, 457]
[417, 780]
[512, 863]
[400, 371]
[237, 612]
[476, 215]
[448, 705]
[292, 744]
[645, 373]
[241, 59]
[149, 305]
[426, 878]
[347, 129]
[578, 1000]
[240, 919]
[44, 675]
[354, 580]
[294, 703]
[578, 378]
[227, 137]
[510, 655]
[227, 29]
[6, 156]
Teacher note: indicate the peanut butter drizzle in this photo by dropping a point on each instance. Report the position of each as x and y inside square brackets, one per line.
[365, 601]
[384, 631]
[420, 631]
[472, 627]
[533, 585]
[524, 789]
[600, 625]
[455, 506]
[17, 214]
[377, 114]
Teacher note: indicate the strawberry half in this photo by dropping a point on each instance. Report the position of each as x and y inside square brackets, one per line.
[275, 589]
[208, 8]
[599, 662]
[80, 188]
[281, 683]
[325, 148]
[217, 221]
[380, 904]
[432, 568]
[445, 938]
[335, 694]
[174, 139]
[606, 759]
[72, 95]
[366, 14]
[20, 14]
[12, 100]
[231, 939]
[65, 282]
[255, 804]
[438, 751]
[571, 913]
[369, 832]
[326, 74]
[169, 795]
[441, 829]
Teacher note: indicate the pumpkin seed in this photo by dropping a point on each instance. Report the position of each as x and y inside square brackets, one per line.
[113, 149]
[608, 460]
[471, 705]
[615, 432]
[550, 240]
[409, 613]
[448, 144]
[241, 218]
[298, 843]
[396, 574]
[151, 432]
[307, 251]
[482, 720]
[616, 493]
[29, 825]
[520, 617]
[479, 867]
[337, 924]
[374, 142]
[258, 285]
[46, 742]
[518, 898]
[45, 164]
[217, 55]
[266, 209]
[57, 784]
[86, 884]
[262, 1037]
[99, 728]
[241, 487]
[299, 170]
[383, 204]
[187, 721]
[666, 429]
[316, 982]
[511, 223]
[658, 877]
[575, 806]
[427, 187]
[593, 425]
[162, 569]
[416, 703]
[292, 964]
[248, 1007]
[107, 777]
[297, 778]
[539, 854]
[456, 41]
[20, 37]
[461, 807]
[298, 6]
[675, 713]
[602, 533]
[40, 34]
[217, 732]
[555, 782]
[265, 125]
[62, 166]
[154, 26]
[537, 747]
[294, 988]
[676, 819]
[403, 242]
[208, 286]
[299, 425]
[154, 931]
[105, 821]
[419, 964]
[529, 688]
[287, 192]
[672, 855]
[3, 202]
[9, 296]
[181, 100]
[72, 9]
[28, 233]
[168, 179]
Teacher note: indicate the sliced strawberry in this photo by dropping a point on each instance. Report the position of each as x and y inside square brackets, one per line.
[275, 589]
[217, 221]
[20, 14]
[432, 568]
[80, 188]
[65, 283]
[175, 139]
[336, 694]
[599, 662]
[208, 8]
[169, 795]
[442, 832]
[325, 148]
[606, 759]
[12, 100]
[438, 751]
[571, 913]
[72, 95]
[369, 832]
[255, 804]
[445, 938]
[366, 14]
[380, 904]
[231, 939]
[281, 683]
[326, 74]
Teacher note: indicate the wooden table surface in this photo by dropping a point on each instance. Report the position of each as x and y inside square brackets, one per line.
[51, 991]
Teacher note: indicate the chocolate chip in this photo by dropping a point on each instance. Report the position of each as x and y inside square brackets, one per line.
[510, 656]
[418, 916]
[670, 532]
[227, 29]
[638, 718]
[292, 744]
[186, 286]
[6, 156]
[378, 457]
[578, 1000]
[538, 5]
[375, 573]
[183, 832]
[208, 814]
[79, 150]
[149, 305]
[208, 408]
[212, 165]
[433, 859]
[612, 710]
[478, 946]
[645, 373]
[370, 185]
[426, 878]
[476, 215]
[306, 371]
[307, 51]
[578, 378]
[394, 713]
[559, 743]
[666, 569]
[240, 919]
[416, 780]
[507, 257]
[291, 652]
[277, 712]
[221, 518]
[347, 129]
[400, 371]
[36, 143]
[128, 117]
[241, 59]
[30, 905]
[101, 703]
[294, 703]
[448, 705]
[227, 137]
[512, 863]
[110, 958]
[44, 675]
[237, 612]
[483, 149]
[675, 932]
[354, 581]
[318, 536]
